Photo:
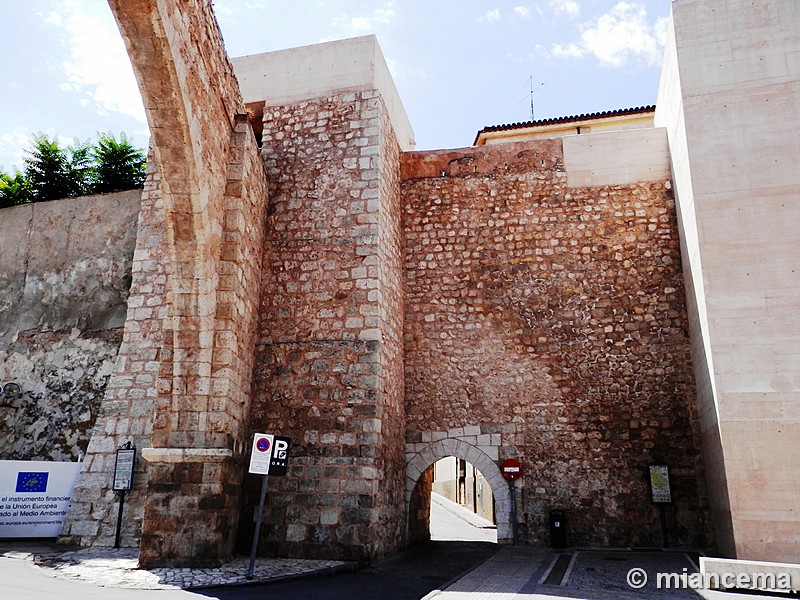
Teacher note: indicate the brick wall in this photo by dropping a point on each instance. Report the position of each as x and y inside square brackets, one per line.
[553, 320]
[329, 356]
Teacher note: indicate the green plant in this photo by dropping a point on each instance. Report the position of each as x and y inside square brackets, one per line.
[82, 166]
[14, 190]
[51, 171]
[54, 172]
[119, 165]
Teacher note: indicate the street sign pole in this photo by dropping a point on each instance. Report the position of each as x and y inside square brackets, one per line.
[511, 469]
[269, 456]
[513, 490]
[259, 520]
[123, 481]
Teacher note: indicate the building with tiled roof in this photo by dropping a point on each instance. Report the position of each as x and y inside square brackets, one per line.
[606, 121]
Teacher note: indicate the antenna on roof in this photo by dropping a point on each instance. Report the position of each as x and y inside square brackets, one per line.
[533, 89]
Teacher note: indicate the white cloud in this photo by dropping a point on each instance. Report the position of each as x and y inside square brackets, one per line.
[568, 51]
[359, 24]
[13, 144]
[490, 16]
[523, 12]
[567, 8]
[618, 37]
[97, 63]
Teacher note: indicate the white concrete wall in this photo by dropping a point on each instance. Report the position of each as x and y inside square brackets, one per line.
[319, 70]
[730, 100]
[616, 158]
[669, 114]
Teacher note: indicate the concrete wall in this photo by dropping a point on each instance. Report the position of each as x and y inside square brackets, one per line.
[616, 158]
[546, 322]
[65, 271]
[310, 72]
[731, 87]
[66, 264]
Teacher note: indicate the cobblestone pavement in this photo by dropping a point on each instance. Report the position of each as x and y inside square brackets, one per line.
[109, 567]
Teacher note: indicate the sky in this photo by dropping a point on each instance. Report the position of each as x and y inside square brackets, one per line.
[459, 65]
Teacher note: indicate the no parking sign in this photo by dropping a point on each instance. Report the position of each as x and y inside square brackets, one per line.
[270, 454]
[262, 453]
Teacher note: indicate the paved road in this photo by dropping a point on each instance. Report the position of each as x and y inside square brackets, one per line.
[408, 576]
[453, 522]
[461, 541]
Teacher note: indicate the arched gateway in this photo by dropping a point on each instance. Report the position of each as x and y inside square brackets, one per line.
[370, 292]
[477, 457]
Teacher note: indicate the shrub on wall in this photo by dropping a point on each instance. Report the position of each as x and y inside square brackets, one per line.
[119, 165]
[14, 190]
[54, 172]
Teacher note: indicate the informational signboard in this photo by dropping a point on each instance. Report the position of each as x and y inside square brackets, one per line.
[279, 463]
[123, 469]
[261, 453]
[34, 497]
[659, 484]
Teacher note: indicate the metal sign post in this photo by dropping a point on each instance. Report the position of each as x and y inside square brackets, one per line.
[661, 494]
[269, 455]
[512, 470]
[123, 480]
[259, 519]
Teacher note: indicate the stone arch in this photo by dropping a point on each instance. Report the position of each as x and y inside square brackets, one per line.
[472, 454]
[209, 195]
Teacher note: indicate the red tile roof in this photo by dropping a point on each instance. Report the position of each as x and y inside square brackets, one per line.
[597, 115]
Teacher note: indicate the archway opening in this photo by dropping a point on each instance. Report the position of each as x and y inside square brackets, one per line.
[462, 506]
[419, 484]
[452, 501]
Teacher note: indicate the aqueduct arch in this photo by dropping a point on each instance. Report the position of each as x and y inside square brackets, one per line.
[207, 199]
[477, 457]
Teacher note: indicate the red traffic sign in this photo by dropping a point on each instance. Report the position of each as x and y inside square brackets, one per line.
[511, 469]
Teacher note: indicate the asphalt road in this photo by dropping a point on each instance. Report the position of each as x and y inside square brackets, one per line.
[408, 576]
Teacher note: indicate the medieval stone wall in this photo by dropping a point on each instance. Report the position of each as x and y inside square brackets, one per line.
[548, 324]
[329, 356]
[65, 271]
[186, 376]
[127, 407]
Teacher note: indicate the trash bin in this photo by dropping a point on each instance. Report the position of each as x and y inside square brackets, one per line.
[558, 530]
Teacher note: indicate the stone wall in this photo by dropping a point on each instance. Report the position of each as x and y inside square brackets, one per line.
[548, 323]
[127, 409]
[329, 355]
[212, 196]
[65, 270]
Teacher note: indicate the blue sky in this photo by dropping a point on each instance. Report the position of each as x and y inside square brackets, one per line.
[459, 65]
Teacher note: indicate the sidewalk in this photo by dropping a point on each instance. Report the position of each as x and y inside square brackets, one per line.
[451, 521]
[524, 573]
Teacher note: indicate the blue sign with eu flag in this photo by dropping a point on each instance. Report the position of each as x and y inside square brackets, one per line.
[31, 482]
